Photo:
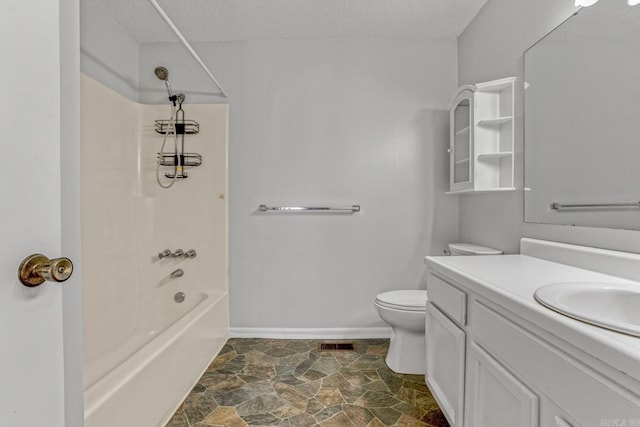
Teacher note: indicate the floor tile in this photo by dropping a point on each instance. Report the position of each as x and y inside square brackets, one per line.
[288, 383]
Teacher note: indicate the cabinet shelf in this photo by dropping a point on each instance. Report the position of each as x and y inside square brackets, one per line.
[491, 156]
[460, 162]
[495, 122]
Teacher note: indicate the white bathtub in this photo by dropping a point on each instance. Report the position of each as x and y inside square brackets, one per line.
[150, 380]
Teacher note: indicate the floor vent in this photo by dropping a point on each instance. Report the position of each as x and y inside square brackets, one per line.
[335, 346]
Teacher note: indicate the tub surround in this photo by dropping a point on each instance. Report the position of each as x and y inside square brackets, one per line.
[135, 333]
[497, 295]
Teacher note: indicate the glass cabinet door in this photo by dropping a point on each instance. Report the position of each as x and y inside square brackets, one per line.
[461, 141]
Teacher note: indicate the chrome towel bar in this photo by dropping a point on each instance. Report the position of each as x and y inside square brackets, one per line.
[265, 208]
[558, 206]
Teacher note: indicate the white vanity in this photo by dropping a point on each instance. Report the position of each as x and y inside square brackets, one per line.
[496, 357]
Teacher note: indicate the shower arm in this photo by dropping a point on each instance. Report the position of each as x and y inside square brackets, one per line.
[186, 44]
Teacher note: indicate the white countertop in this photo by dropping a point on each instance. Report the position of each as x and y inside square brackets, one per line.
[511, 280]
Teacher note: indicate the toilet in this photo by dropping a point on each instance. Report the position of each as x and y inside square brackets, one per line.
[405, 312]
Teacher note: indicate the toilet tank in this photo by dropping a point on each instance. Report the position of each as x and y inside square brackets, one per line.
[471, 249]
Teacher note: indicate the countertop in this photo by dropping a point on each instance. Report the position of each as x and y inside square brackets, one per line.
[511, 280]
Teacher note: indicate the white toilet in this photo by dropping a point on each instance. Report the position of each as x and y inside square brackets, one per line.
[405, 311]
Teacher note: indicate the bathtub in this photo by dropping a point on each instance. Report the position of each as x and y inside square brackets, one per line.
[152, 373]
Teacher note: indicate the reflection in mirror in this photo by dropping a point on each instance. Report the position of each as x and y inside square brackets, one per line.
[582, 119]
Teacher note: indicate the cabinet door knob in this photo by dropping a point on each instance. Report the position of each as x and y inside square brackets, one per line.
[35, 269]
[448, 150]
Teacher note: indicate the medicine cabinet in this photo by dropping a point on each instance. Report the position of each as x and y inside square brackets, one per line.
[482, 137]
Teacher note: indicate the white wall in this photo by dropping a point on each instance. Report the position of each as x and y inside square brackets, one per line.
[326, 122]
[107, 53]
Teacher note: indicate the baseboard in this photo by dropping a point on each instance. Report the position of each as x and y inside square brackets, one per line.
[311, 333]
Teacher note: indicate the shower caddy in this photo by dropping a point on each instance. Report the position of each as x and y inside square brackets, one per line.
[182, 127]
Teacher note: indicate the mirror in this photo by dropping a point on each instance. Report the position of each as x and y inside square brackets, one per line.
[582, 120]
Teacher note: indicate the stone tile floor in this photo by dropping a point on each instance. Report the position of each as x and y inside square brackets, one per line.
[267, 382]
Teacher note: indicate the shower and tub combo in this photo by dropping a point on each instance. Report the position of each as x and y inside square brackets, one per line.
[153, 318]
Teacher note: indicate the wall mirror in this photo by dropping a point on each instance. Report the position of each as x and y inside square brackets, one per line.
[582, 120]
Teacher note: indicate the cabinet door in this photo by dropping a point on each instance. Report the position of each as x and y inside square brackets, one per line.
[461, 141]
[494, 396]
[445, 364]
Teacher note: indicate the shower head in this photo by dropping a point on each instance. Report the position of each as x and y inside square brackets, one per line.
[163, 74]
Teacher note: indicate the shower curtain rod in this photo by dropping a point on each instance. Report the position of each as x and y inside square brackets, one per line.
[186, 44]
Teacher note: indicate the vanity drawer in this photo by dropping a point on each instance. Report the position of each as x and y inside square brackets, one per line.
[583, 394]
[448, 299]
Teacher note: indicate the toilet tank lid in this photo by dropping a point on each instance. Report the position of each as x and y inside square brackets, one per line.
[471, 249]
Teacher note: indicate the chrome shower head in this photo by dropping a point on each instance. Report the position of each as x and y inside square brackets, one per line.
[162, 73]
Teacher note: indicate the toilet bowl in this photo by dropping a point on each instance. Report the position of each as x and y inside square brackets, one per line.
[405, 312]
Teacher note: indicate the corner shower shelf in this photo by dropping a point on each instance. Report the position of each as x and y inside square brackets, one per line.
[183, 127]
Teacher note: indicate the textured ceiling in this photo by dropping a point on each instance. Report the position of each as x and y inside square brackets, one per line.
[228, 20]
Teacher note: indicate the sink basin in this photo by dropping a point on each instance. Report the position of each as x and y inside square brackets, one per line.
[612, 306]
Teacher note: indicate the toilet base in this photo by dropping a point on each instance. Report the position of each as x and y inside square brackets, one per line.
[407, 352]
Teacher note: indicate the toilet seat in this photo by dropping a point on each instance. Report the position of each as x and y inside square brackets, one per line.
[403, 300]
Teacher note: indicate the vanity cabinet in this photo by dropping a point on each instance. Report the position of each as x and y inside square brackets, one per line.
[513, 373]
[481, 151]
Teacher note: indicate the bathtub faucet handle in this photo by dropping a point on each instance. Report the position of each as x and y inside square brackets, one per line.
[191, 253]
[179, 253]
[164, 254]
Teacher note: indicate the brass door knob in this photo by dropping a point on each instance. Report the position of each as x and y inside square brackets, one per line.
[37, 268]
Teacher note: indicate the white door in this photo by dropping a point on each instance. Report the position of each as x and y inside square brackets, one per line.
[40, 347]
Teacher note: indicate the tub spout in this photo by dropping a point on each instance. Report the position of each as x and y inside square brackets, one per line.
[177, 273]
